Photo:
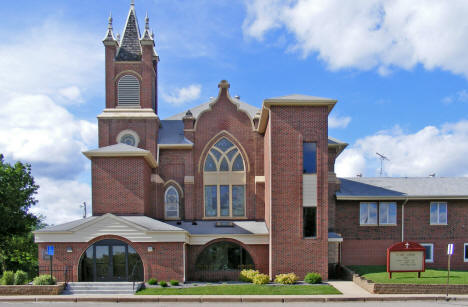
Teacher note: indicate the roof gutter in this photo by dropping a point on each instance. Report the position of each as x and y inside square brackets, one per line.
[415, 197]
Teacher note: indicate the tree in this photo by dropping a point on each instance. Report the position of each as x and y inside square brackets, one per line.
[17, 190]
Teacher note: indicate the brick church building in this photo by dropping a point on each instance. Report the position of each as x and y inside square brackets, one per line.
[225, 186]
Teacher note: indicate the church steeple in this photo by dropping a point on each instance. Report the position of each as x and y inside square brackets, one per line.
[130, 48]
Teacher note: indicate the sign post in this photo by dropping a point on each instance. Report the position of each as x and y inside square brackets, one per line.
[50, 252]
[449, 253]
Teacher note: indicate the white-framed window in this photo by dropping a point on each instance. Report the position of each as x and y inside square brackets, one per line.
[224, 181]
[171, 201]
[465, 252]
[387, 213]
[368, 213]
[438, 213]
[429, 251]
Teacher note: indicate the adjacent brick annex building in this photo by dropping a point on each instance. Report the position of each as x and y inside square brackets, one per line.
[226, 186]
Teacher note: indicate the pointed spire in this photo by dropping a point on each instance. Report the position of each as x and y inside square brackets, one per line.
[109, 38]
[130, 48]
[147, 38]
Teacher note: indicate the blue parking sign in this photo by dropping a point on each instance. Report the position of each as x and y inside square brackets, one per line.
[50, 250]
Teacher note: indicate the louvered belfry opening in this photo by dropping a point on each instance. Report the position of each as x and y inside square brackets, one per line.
[128, 91]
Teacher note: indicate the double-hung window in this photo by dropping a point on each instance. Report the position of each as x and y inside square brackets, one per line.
[429, 251]
[438, 213]
[465, 252]
[387, 213]
[368, 214]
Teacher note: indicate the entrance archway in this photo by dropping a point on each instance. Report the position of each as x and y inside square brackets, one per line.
[110, 260]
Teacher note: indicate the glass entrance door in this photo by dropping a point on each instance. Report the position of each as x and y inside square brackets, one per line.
[110, 260]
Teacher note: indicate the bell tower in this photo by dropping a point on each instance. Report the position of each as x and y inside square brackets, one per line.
[128, 127]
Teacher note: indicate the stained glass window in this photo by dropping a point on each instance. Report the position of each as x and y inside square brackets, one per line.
[128, 139]
[223, 158]
[172, 202]
[211, 208]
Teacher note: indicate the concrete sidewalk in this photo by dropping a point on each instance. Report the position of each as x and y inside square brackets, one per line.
[351, 293]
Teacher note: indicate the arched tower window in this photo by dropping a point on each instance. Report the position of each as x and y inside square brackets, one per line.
[171, 201]
[128, 91]
[224, 181]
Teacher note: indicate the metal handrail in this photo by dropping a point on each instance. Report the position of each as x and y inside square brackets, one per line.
[132, 275]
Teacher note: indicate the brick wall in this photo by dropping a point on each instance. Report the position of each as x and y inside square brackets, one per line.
[289, 251]
[224, 116]
[259, 253]
[121, 186]
[368, 244]
[147, 130]
[165, 262]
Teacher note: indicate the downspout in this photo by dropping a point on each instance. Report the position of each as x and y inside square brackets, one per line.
[183, 250]
[403, 220]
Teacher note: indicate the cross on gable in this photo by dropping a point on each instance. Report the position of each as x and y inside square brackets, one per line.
[407, 244]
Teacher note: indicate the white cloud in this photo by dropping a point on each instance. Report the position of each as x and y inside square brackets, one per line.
[441, 150]
[56, 66]
[182, 95]
[71, 94]
[460, 96]
[338, 122]
[60, 200]
[363, 34]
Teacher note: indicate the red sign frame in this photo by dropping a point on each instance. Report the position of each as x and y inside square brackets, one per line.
[406, 246]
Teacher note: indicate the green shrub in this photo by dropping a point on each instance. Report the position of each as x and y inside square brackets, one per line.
[286, 279]
[261, 279]
[313, 278]
[21, 277]
[44, 280]
[248, 275]
[174, 282]
[163, 284]
[8, 278]
[152, 281]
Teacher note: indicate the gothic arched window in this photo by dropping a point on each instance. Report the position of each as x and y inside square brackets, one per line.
[224, 181]
[171, 201]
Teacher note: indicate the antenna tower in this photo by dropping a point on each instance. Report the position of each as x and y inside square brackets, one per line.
[382, 158]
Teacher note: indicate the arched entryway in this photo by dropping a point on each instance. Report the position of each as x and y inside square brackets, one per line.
[222, 260]
[110, 260]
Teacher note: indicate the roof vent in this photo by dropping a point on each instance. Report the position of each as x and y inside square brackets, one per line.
[224, 224]
[194, 223]
[129, 91]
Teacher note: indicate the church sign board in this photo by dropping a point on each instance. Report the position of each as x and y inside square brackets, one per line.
[406, 257]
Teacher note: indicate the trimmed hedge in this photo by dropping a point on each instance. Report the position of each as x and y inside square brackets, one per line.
[286, 279]
[174, 282]
[261, 279]
[43, 280]
[21, 277]
[163, 284]
[8, 278]
[152, 281]
[313, 278]
[248, 275]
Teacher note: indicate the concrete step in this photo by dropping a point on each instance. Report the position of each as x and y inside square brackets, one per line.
[102, 288]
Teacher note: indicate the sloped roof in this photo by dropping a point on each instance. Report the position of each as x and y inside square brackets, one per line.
[172, 132]
[147, 223]
[403, 187]
[196, 111]
[130, 48]
[209, 227]
[120, 147]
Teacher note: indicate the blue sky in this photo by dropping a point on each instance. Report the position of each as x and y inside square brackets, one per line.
[398, 69]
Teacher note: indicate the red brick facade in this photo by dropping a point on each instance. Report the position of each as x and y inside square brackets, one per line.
[134, 182]
[368, 244]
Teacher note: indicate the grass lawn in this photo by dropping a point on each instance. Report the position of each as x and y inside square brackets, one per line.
[378, 274]
[249, 289]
